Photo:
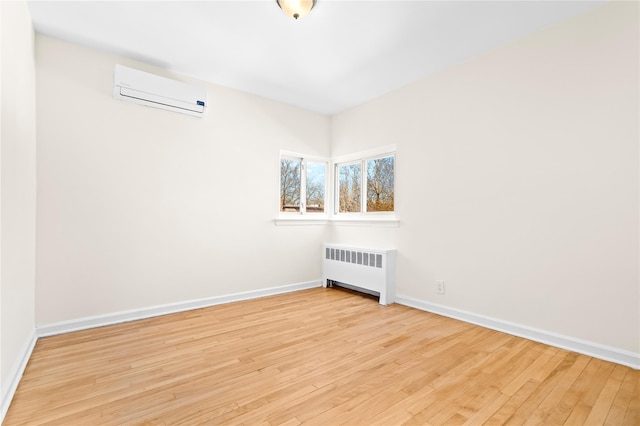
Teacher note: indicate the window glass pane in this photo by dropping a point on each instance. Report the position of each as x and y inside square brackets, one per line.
[349, 182]
[290, 173]
[380, 184]
[315, 187]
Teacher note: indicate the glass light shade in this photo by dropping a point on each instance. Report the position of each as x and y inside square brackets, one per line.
[296, 8]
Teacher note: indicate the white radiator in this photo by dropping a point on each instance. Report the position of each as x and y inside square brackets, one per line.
[371, 270]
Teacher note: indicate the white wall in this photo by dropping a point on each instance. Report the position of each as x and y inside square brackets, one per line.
[17, 189]
[139, 207]
[517, 180]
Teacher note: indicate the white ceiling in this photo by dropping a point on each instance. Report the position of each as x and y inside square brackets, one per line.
[341, 55]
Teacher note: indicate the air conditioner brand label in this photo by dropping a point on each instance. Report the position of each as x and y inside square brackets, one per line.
[201, 103]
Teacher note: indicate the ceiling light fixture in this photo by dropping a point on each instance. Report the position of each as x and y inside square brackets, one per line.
[296, 8]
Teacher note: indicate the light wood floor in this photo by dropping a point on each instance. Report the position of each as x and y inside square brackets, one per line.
[318, 357]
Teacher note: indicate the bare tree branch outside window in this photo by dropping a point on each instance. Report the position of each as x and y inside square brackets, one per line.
[349, 188]
[380, 185]
[290, 175]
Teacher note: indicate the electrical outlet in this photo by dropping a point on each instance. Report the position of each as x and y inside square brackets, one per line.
[440, 286]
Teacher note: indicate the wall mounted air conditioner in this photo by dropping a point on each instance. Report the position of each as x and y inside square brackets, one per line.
[159, 92]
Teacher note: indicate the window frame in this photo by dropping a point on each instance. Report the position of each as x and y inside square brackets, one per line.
[303, 214]
[365, 183]
[326, 201]
[363, 158]
[336, 186]
[301, 203]
[331, 214]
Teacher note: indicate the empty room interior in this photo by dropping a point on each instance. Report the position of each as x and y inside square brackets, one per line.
[355, 212]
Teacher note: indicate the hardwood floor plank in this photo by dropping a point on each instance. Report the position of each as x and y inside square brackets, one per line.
[505, 412]
[551, 401]
[604, 402]
[632, 413]
[550, 377]
[589, 391]
[486, 411]
[319, 356]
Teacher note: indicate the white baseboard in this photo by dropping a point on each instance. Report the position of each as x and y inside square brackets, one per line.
[16, 374]
[607, 353]
[153, 311]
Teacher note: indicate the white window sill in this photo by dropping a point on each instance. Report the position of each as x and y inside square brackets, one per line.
[378, 221]
[295, 220]
[390, 221]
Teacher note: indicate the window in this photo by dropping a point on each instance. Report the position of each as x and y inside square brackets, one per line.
[302, 185]
[349, 184]
[378, 181]
[357, 189]
[380, 184]
[316, 178]
[290, 178]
